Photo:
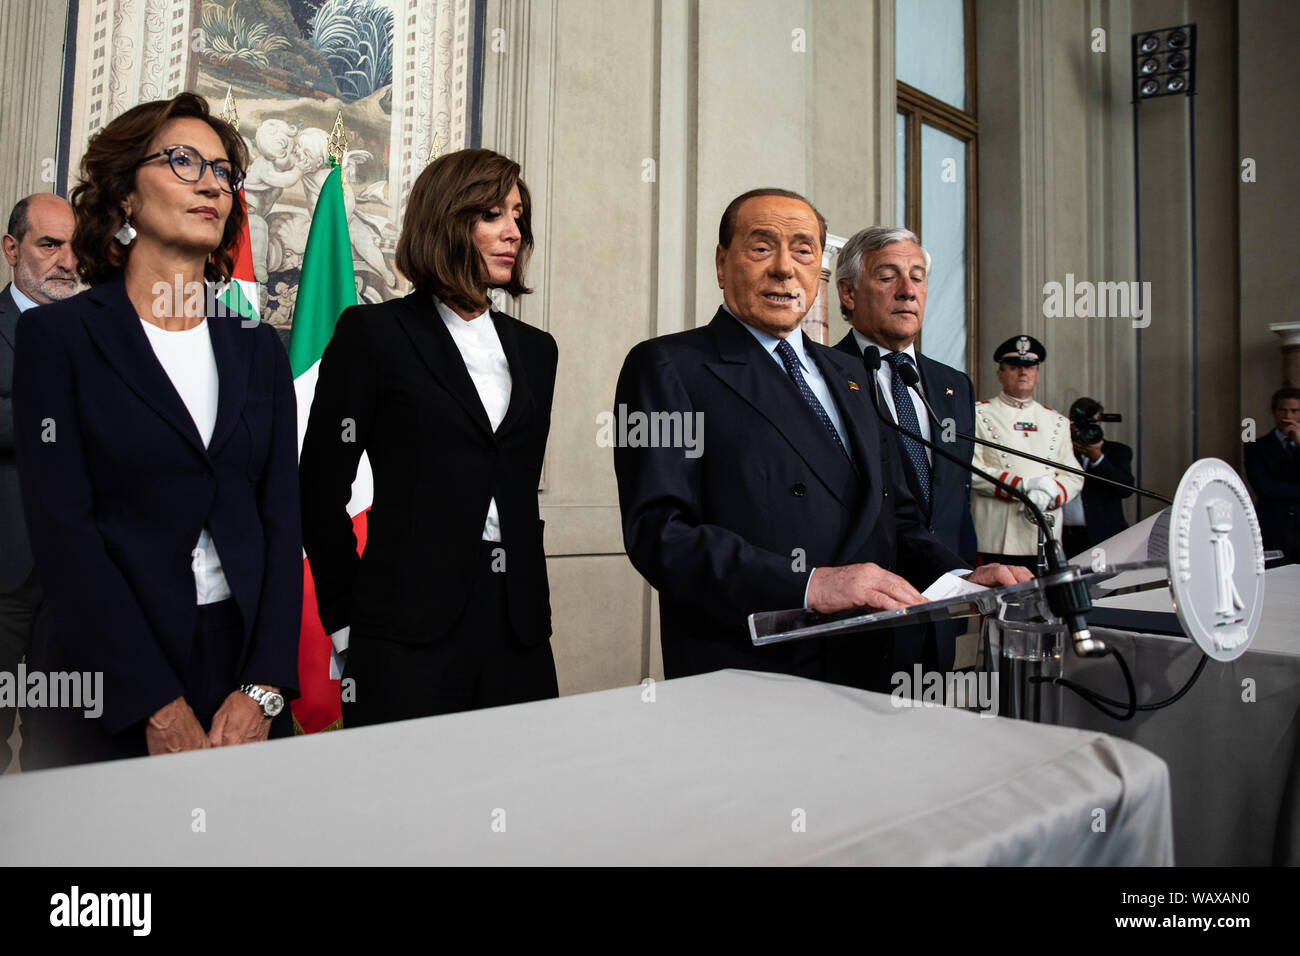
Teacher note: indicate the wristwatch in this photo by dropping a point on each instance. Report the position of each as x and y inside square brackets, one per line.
[272, 703]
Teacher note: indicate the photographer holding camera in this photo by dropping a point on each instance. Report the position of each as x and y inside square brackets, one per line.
[1096, 514]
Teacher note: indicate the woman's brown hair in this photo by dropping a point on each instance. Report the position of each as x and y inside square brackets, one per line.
[436, 250]
[108, 173]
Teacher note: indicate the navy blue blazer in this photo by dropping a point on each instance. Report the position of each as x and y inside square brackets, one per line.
[952, 396]
[117, 486]
[1275, 477]
[15, 553]
[1103, 508]
[768, 497]
[947, 515]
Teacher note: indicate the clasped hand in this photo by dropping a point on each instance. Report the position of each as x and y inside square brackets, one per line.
[174, 728]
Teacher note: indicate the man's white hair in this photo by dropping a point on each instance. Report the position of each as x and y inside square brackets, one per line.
[849, 262]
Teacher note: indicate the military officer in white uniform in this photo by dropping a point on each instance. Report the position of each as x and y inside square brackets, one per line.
[1003, 527]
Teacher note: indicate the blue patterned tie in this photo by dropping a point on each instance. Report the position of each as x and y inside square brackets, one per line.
[791, 362]
[905, 415]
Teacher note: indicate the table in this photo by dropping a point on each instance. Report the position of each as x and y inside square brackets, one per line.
[720, 769]
[1232, 743]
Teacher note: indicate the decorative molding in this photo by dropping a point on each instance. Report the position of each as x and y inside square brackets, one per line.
[440, 38]
[1288, 332]
[122, 58]
[125, 50]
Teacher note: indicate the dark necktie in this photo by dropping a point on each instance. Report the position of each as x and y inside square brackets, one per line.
[905, 415]
[785, 351]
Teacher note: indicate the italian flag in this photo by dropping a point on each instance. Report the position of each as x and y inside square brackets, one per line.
[240, 295]
[326, 287]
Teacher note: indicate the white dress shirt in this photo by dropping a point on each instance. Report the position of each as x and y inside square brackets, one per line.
[21, 300]
[885, 379]
[190, 363]
[485, 359]
[811, 373]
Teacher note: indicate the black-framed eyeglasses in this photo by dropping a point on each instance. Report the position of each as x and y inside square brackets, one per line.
[188, 164]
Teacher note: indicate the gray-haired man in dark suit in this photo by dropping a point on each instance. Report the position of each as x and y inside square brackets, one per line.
[882, 279]
[38, 245]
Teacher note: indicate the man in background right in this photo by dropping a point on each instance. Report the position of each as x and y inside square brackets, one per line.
[1097, 513]
[1273, 468]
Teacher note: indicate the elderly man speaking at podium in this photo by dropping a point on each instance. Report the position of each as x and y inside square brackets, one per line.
[791, 494]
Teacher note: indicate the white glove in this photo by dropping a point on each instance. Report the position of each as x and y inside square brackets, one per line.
[1047, 486]
[1042, 499]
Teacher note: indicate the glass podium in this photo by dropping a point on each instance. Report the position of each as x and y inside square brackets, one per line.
[1025, 643]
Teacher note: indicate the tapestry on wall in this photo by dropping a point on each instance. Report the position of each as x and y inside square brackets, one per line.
[399, 70]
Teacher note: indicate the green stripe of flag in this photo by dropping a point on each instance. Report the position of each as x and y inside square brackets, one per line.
[237, 302]
[328, 284]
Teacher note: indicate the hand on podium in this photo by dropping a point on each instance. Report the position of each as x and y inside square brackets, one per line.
[999, 575]
[859, 585]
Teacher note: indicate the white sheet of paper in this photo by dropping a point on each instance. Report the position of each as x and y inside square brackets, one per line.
[950, 586]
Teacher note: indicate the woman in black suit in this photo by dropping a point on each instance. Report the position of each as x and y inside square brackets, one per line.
[156, 441]
[449, 607]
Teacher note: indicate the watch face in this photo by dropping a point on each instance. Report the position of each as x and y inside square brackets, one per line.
[273, 704]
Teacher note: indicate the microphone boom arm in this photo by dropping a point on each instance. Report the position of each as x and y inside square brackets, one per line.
[913, 381]
[1069, 600]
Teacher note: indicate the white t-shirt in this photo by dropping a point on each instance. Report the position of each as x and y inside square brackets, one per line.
[190, 363]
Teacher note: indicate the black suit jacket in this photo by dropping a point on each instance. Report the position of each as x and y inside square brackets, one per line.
[1275, 478]
[394, 371]
[117, 486]
[952, 396]
[947, 515]
[739, 528]
[1102, 508]
[15, 551]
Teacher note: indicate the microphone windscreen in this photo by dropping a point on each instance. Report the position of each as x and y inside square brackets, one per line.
[907, 372]
[871, 359]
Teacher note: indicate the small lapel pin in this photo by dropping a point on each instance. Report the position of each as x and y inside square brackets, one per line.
[854, 385]
[947, 391]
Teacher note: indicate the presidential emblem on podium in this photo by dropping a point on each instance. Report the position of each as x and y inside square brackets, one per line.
[1216, 560]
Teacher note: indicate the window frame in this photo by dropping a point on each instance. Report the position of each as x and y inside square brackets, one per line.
[919, 108]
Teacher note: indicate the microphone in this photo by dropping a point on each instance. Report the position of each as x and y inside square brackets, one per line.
[912, 379]
[1069, 599]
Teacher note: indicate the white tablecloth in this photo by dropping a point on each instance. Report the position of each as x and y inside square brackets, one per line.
[1232, 743]
[719, 769]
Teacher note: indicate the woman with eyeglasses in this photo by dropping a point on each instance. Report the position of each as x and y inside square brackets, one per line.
[157, 450]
